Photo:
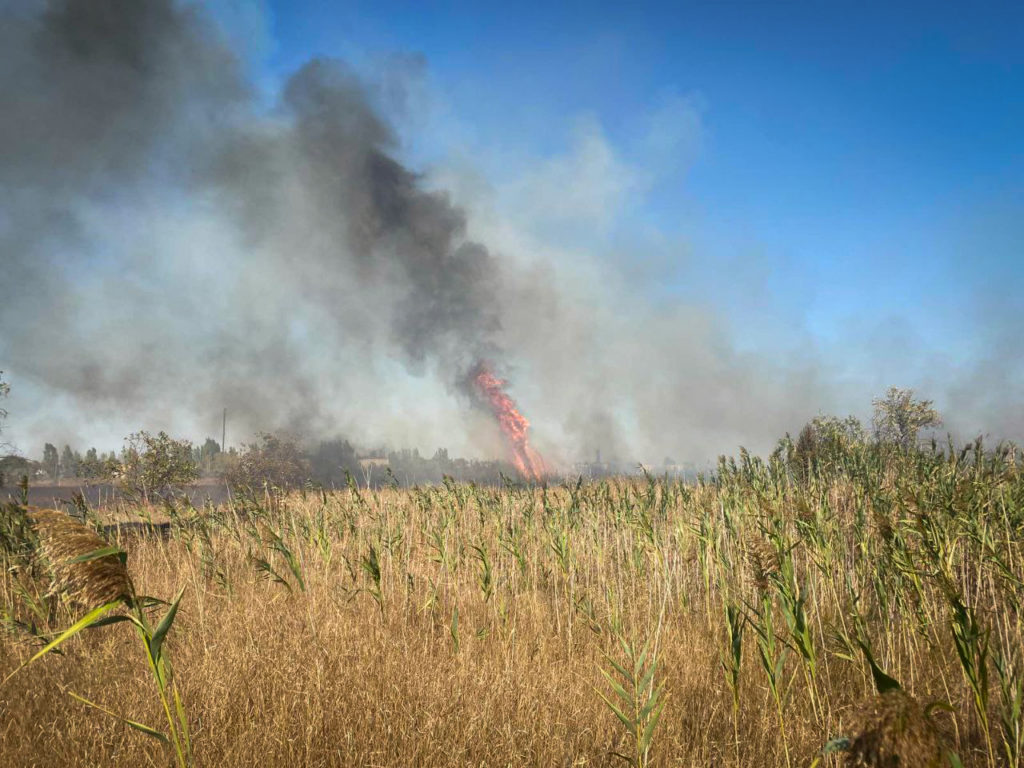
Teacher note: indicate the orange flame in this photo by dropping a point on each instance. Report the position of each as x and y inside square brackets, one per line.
[514, 425]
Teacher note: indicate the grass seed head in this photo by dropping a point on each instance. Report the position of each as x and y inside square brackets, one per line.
[763, 563]
[94, 581]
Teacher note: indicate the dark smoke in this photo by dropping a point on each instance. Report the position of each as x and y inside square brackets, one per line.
[325, 244]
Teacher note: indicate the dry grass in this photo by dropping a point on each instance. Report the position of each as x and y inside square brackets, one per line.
[894, 731]
[459, 626]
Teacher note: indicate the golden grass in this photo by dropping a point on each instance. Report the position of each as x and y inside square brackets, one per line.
[344, 669]
[894, 731]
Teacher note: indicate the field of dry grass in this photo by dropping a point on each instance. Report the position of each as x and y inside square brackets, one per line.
[459, 626]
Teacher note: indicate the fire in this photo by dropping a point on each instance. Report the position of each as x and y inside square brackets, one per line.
[514, 425]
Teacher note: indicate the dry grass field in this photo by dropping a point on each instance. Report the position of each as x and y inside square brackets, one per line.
[728, 621]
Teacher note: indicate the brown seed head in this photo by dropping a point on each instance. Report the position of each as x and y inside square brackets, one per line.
[805, 512]
[892, 730]
[882, 523]
[95, 581]
[763, 563]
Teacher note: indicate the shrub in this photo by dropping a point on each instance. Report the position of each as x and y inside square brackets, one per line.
[153, 466]
[275, 460]
[899, 418]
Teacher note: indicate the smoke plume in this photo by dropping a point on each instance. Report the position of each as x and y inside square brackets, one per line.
[168, 243]
[172, 244]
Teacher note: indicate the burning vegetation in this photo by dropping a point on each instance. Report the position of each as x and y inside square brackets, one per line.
[514, 426]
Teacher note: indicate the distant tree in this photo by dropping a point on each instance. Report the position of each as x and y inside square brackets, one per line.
[410, 468]
[13, 467]
[68, 463]
[826, 439]
[91, 467]
[51, 461]
[275, 460]
[442, 464]
[821, 441]
[206, 455]
[899, 418]
[154, 466]
[332, 461]
[5, 390]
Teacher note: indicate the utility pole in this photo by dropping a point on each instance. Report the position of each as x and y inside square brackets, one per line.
[224, 433]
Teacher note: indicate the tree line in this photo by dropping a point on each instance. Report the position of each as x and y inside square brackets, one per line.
[156, 465]
[152, 466]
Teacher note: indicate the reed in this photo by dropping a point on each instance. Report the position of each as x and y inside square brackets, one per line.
[455, 625]
[88, 571]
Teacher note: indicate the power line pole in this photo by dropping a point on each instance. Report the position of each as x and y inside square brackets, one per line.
[224, 433]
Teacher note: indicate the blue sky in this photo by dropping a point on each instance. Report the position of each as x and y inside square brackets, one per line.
[870, 157]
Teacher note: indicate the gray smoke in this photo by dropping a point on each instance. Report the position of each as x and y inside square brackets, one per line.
[171, 244]
[167, 243]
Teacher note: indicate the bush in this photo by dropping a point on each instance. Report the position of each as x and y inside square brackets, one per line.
[153, 466]
[899, 418]
[275, 460]
[826, 440]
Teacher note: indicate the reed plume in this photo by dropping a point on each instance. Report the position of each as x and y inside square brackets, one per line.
[84, 566]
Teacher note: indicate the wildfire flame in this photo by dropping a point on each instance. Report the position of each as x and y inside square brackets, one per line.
[514, 425]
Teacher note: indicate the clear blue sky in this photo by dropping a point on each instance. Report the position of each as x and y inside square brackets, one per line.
[873, 153]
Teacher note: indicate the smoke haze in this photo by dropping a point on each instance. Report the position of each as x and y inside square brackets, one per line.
[172, 244]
